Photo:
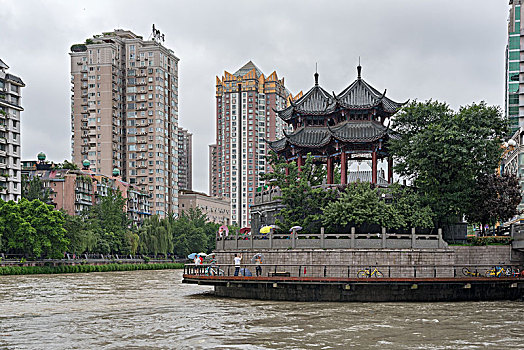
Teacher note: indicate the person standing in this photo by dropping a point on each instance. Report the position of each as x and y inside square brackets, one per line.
[237, 259]
[258, 268]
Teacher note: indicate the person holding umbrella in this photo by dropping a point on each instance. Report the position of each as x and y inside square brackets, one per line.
[257, 259]
[237, 260]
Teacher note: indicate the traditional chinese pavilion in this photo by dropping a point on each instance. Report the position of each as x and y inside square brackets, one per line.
[339, 129]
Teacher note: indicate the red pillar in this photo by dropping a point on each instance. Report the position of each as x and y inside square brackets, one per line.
[374, 167]
[329, 170]
[299, 163]
[390, 170]
[343, 168]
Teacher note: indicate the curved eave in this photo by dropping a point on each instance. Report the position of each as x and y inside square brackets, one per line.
[351, 131]
[310, 137]
[278, 145]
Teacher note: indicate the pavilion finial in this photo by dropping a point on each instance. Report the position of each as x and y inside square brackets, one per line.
[316, 74]
[359, 69]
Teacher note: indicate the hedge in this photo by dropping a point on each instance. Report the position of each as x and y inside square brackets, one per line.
[30, 270]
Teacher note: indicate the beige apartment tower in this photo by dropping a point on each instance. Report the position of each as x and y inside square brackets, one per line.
[124, 112]
[245, 119]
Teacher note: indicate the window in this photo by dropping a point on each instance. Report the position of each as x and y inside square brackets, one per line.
[514, 66]
[514, 42]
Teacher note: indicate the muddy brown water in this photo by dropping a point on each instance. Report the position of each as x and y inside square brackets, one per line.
[154, 310]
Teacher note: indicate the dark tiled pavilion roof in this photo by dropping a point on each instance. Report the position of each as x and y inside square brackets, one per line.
[316, 101]
[361, 95]
[358, 95]
[320, 136]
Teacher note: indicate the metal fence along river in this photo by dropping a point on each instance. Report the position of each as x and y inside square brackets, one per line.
[153, 310]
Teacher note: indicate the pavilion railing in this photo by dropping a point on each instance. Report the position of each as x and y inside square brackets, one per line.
[296, 240]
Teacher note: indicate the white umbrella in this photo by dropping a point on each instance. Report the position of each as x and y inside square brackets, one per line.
[296, 228]
[253, 259]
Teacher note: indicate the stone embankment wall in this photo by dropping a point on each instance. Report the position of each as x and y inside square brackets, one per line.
[490, 255]
[392, 262]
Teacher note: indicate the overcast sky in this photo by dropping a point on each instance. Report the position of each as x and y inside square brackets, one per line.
[447, 50]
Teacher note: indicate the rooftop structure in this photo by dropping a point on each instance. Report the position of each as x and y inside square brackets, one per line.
[350, 126]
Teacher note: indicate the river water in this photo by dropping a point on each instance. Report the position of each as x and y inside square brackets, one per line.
[154, 310]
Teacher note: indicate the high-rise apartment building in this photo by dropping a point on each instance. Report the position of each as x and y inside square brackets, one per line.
[185, 157]
[514, 83]
[513, 157]
[245, 118]
[213, 170]
[124, 112]
[10, 108]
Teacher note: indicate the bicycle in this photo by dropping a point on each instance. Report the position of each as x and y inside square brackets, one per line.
[214, 271]
[467, 272]
[498, 271]
[369, 273]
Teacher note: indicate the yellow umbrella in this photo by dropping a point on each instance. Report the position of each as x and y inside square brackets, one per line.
[265, 229]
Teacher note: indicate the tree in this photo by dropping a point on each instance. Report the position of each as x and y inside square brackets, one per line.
[444, 152]
[302, 195]
[34, 189]
[495, 199]
[33, 228]
[408, 204]
[155, 236]
[82, 238]
[67, 165]
[361, 204]
[110, 223]
[193, 233]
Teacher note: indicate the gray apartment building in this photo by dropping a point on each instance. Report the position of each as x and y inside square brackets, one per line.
[10, 109]
[124, 112]
[185, 158]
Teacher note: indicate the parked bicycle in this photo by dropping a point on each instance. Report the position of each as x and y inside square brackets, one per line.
[214, 271]
[367, 273]
[499, 271]
[467, 272]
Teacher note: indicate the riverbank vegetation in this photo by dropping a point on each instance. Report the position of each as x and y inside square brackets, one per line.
[34, 230]
[30, 270]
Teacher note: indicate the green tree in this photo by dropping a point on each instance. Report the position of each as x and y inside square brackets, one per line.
[33, 228]
[34, 189]
[495, 199]
[408, 204]
[361, 204]
[110, 223]
[67, 165]
[155, 236]
[444, 152]
[189, 232]
[302, 195]
[82, 238]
